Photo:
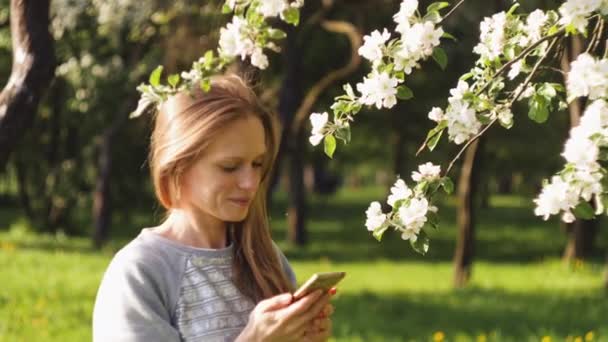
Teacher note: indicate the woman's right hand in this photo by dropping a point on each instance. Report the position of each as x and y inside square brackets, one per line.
[280, 319]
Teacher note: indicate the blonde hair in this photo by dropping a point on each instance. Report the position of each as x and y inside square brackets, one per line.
[185, 126]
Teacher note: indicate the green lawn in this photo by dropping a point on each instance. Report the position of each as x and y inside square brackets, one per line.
[520, 291]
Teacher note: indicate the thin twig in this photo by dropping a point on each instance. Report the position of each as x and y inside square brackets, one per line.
[451, 11]
[595, 35]
[521, 55]
[526, 82]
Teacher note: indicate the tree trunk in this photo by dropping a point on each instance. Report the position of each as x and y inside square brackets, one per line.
[24, 197]
[297, 192]
[581, 233]
[292, 148]
[467, 186]
[102, 206]
[290, 98]
[32, 71]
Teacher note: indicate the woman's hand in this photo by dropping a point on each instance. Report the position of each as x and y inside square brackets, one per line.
[279, 319]
[319, 330]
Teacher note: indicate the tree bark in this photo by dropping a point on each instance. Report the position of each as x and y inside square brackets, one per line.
[32, 71]
[290, 98]
[467, 187]
[581, 233]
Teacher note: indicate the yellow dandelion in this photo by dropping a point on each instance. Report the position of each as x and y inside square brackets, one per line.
[546, 339]
[578, 339]
[482, 338]
[438, 336]
[7, 246]
[589, 336]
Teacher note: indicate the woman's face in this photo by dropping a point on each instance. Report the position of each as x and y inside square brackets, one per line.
[223, 182]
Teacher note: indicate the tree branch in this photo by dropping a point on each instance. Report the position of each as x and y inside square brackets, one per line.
[311, 97]
[451, 11]
[523, 87]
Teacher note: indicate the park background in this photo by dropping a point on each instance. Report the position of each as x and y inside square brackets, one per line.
[74, 185]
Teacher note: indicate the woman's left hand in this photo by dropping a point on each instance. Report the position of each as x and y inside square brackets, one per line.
[320, 327]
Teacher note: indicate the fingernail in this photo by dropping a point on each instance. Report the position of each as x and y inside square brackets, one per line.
[333, 291]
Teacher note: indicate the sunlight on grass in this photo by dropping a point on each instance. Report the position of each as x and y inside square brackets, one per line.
[519, 291]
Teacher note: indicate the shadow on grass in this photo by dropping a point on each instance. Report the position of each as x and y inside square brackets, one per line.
[470, 312]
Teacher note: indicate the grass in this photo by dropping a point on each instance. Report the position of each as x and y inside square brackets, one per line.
[520, 290]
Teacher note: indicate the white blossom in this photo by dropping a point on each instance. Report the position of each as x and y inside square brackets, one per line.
[413, 215]
[399, 191]
[436, 114]
[492, 37]
[581, 152]
[272, 8]
[555, 197]
[462, 122]
[406, 10]
[318, 122]
[409, 234]
[374, 43]
[379, 89]
[533, 29]
[375, 217]
[234, 40]
[576, 12]
[259, 59]
[427, 172]
[588, 77]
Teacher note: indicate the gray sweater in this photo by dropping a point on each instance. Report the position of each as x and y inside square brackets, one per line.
[156, 289]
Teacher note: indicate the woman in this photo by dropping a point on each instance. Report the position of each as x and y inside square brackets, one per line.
[210, 271]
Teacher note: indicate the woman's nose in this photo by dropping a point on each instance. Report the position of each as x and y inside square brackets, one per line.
[249, 179]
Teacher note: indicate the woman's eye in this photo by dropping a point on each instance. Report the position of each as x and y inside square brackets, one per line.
[229, 168]
[257, 165]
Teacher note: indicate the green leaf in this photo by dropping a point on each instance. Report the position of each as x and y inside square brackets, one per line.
[466, 76]
[276, 34]
[553, 29]
[155, 76]
[547, 90]
[433, 16]
[584, 210]
[433, 219]
[404, 93]
[448, 185]
[603, 155]
[329, 145]
[173, 80]
[440, 57]
[539, 108]
[343, 133]
[421, 245]
[432, 143]
[205, 84]
[448, 36]
[226, 9]
[513, 8]
[437, 6]
[437, 130]
[292, 16]
[378, 232]
[208, 59]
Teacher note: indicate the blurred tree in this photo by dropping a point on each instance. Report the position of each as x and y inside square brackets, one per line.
[32, 71]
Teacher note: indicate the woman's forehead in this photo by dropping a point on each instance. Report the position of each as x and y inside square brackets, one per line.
[243, 138]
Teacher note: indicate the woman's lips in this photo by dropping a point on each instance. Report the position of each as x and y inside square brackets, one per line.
[243, 202]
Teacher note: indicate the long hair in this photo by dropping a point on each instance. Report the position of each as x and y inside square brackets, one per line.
[185, 126]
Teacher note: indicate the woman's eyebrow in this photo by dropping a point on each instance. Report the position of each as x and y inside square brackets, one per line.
[240, 158]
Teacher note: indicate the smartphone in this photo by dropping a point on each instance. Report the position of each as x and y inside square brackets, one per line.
[324, 281]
